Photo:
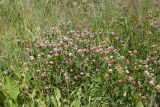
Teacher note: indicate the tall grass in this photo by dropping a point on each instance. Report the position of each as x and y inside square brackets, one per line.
[129, 30]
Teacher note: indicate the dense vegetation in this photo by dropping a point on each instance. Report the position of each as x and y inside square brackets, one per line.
[79, 53]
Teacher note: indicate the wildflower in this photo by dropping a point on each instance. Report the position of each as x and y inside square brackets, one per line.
[81, 50]
[66, 78]
[82, 73]
[125, 93]
[122, 57]
[111, 57]
[50, 52]
[38, 71]
[71, 31]
[27, 49]
[145, 62]
[66, 46]
[152, 82]
[135, 51]
[106, 76]
[61, 42]
[130, 52]
[158, 87]
[41, 45]
[49, 56]
[127, 71]
[106, 58]
[56, 50]
[65, 38]
[117, 37]
[65, 75]
[146, 66]
[119, 81]
[51, 62]
[73, 83]
[139, 83]
[93, 48]
[39, 55]
[106, 51]
[146, 73]
[99, 50]
[25, 64]
[130, 78]
[32, 58]
[70, 54]
[70, 43]
[139, 66]
[75, 77]
[87, 74]
[77, 36]
[110, 48]
[112, 33]
[110, 71]
[110, 63]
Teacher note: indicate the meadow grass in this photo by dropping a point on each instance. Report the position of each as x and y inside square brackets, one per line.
[79, 53]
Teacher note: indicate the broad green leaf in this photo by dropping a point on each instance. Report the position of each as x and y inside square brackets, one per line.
[9, 103]
[105, 105]
[87, 105]
[76, 103]
[139, 104]
[57, 96]
[12, 88]
[79, 93]
[53, 100]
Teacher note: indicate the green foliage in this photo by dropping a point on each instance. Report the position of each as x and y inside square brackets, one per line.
[12, 88]
[77, 101]
[79, 53]
[139, 104]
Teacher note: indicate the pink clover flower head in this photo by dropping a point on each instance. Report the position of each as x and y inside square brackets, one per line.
[65, 38]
